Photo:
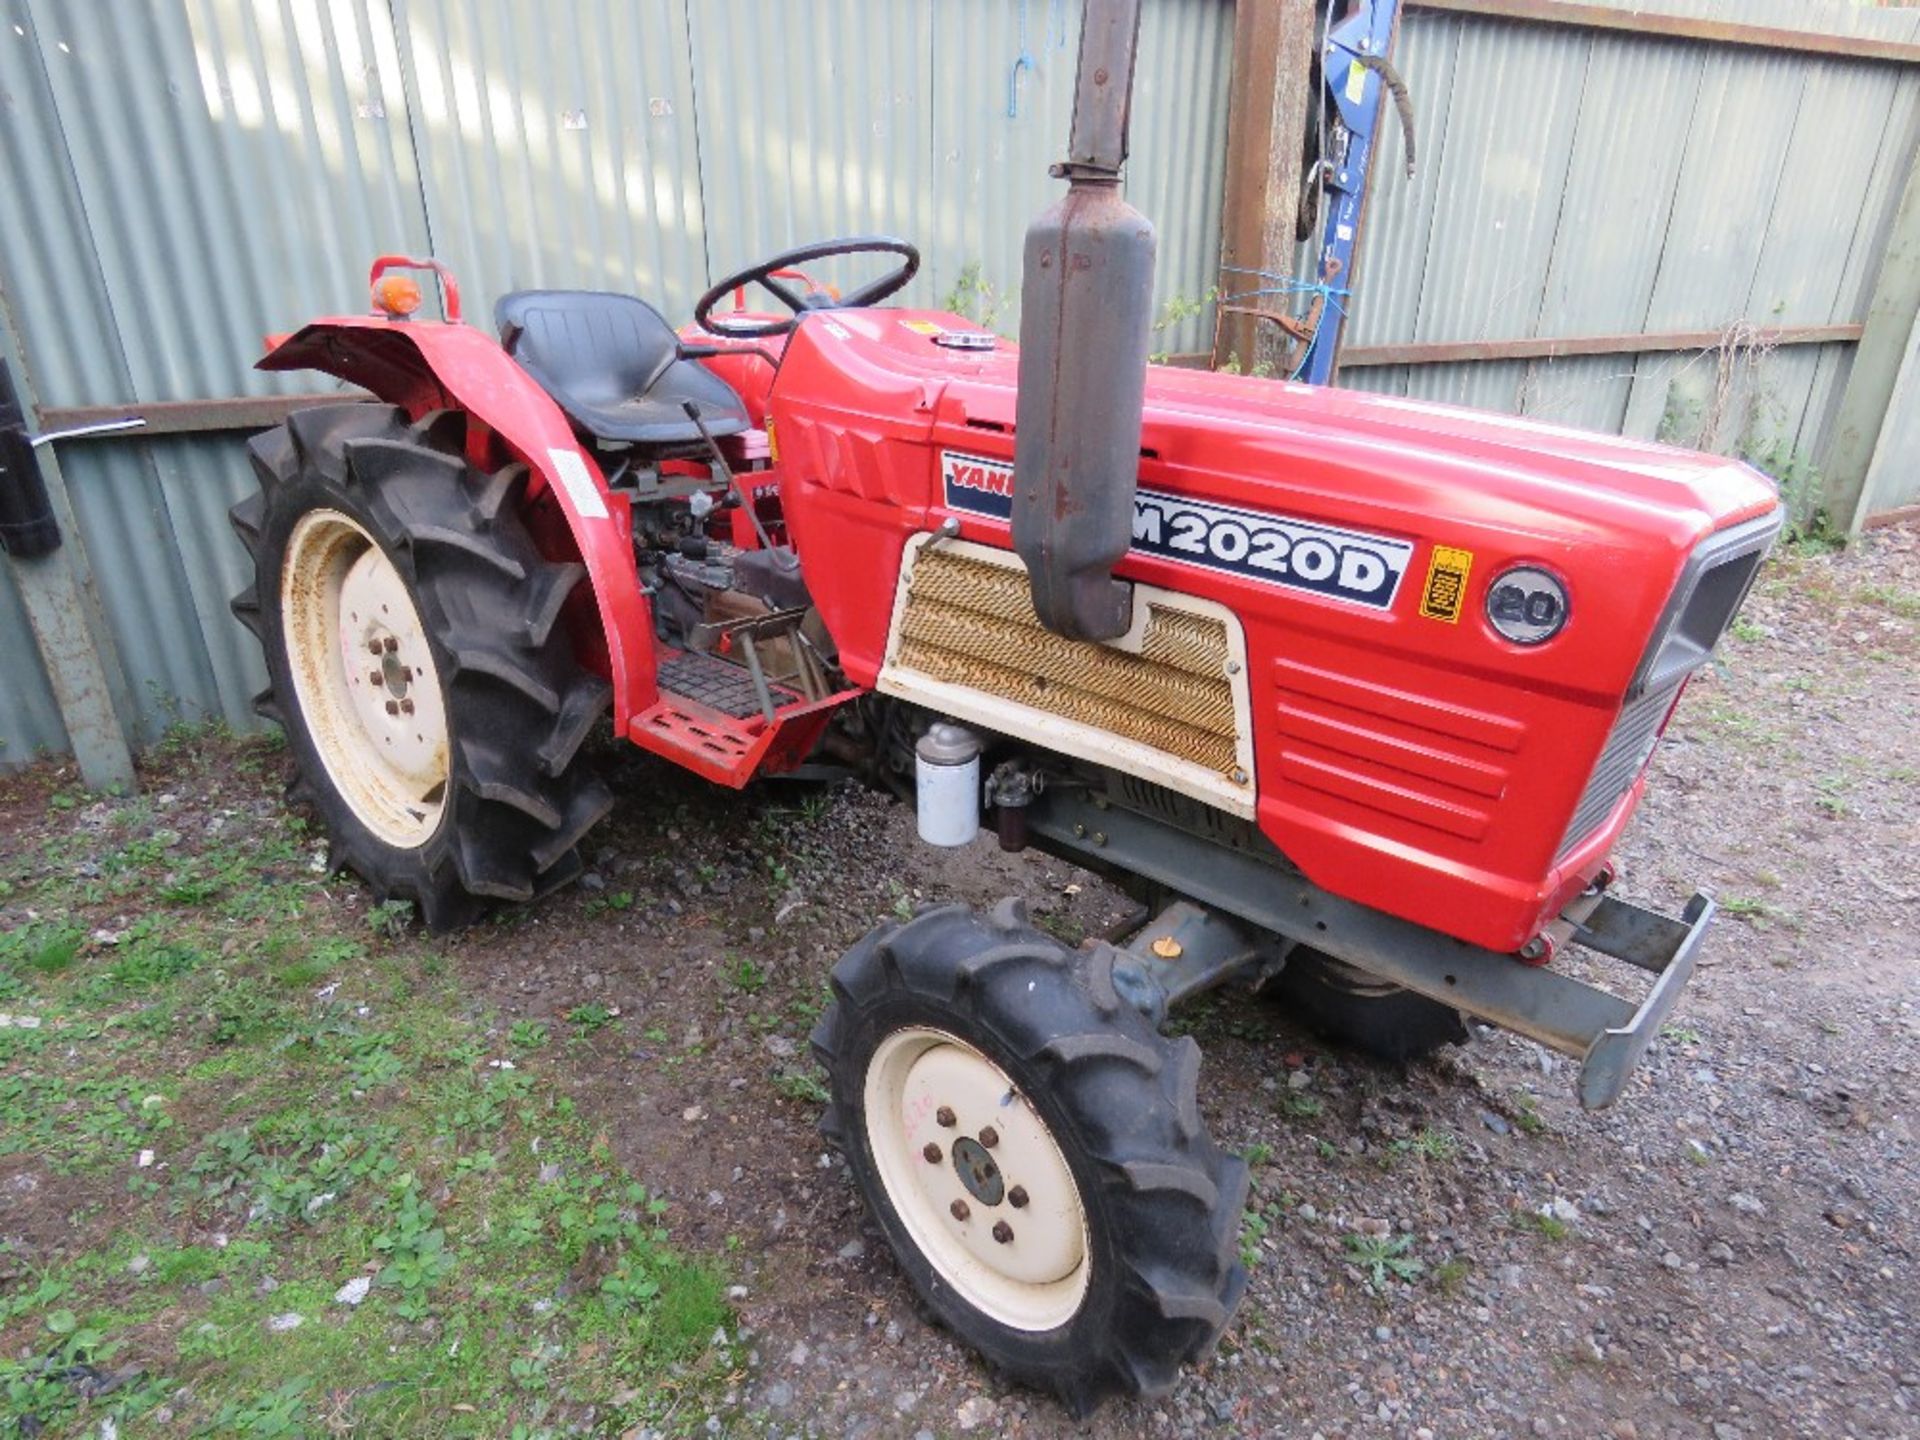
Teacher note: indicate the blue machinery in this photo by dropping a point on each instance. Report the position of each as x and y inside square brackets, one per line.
[1357, 78]
[1354, 66]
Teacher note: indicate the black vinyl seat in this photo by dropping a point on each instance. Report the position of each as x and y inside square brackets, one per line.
[612, 363]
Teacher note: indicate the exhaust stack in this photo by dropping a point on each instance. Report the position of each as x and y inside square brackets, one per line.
[1086, 317]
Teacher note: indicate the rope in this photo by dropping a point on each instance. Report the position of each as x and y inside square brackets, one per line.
[1023, 61]
[1323, 292]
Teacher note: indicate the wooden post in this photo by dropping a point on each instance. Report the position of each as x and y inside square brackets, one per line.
[1273, 44]
[1877, 365]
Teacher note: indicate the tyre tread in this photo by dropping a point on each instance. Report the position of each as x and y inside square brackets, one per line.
[493, 604]
[1131, 1098]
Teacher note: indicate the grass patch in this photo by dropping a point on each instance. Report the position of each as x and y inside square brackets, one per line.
[301, 1192]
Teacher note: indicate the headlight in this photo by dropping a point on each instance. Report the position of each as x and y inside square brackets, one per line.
[1527, 605]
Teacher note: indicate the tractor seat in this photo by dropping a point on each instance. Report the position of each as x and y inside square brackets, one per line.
[612, 363]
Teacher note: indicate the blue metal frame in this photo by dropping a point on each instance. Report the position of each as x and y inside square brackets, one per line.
[1356, 92]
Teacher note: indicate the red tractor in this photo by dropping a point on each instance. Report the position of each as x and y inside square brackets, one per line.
[1355, 694]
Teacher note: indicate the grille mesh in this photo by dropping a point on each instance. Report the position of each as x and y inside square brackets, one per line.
[1627, 751]
[1720, 572]
[971, 622]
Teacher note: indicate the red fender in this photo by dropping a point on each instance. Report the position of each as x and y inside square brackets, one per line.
[429, 365]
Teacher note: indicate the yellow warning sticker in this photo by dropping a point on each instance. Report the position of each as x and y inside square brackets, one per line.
[1356, 82]
[921, 327]
[1445, 594]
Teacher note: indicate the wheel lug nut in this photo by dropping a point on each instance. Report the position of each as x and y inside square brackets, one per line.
[944, 1117]
[1003, 1232]
[393, 707]
[959, 1210]
[406, 672]
[374, 677]
[392, 644]
[406, 707]
[1017, 1197]
[932, 1152]
[989, 1136]
[374, 647]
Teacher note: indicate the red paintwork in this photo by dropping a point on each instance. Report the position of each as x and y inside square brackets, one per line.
[1425, 768]
[750, 370]
[729, 751]
[425, 365]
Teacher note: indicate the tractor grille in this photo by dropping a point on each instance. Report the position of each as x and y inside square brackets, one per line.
[970, 622]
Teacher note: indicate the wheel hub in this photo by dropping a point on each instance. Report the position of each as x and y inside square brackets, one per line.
[975, 1174]
[978, 1172]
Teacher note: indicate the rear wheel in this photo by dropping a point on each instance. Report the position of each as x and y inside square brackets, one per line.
[1033, 1149]
[416, 659]
[1349, 1005]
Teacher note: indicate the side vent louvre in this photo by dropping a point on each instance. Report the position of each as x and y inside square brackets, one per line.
[1709, 595]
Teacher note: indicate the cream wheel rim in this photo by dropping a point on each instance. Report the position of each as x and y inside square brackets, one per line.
[364, 677]
[975, 1175]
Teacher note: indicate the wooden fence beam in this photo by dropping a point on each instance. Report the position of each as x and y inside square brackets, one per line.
[1680, 27]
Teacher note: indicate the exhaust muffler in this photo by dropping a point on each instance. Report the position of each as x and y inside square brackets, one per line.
[1086, 316]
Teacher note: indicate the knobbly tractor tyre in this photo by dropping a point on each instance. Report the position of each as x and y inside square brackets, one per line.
[1349, 1006]
[417, 660]
[1033, 1149]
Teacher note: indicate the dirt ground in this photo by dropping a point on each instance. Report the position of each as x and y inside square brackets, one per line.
[1729, 1252]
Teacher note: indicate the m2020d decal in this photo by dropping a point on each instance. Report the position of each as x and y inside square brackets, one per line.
[1341, 564]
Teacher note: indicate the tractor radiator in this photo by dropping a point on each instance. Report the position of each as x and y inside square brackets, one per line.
[1173, 687]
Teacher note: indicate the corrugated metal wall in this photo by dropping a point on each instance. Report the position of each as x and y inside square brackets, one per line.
[1581, 183]
[184, 176]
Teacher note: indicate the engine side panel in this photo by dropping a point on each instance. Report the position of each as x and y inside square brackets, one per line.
[1407, 756]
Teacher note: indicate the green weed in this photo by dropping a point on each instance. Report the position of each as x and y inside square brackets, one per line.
[1381, 1258]
[1450, 1274]
[1430, 1145]
[590, 1018]
[744, 975]
[804, 1086]
[526, 1035]
[1552, 1227]
[1299, 1105]
[390, 918]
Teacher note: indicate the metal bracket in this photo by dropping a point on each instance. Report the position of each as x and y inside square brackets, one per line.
[1606, 1033]
[1187, 949]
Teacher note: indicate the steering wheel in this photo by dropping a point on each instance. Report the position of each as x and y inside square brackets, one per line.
[766, 275]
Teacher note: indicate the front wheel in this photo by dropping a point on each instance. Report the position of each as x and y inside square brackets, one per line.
[1350, 1006]
[1034, 1152]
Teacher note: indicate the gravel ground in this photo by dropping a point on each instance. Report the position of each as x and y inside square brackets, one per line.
[1728, 1252]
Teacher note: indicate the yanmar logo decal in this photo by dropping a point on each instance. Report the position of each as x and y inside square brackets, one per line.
[983, 486]
[1342, 564]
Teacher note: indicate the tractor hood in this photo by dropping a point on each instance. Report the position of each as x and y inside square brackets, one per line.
[1422, 486]
[1339, 453]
